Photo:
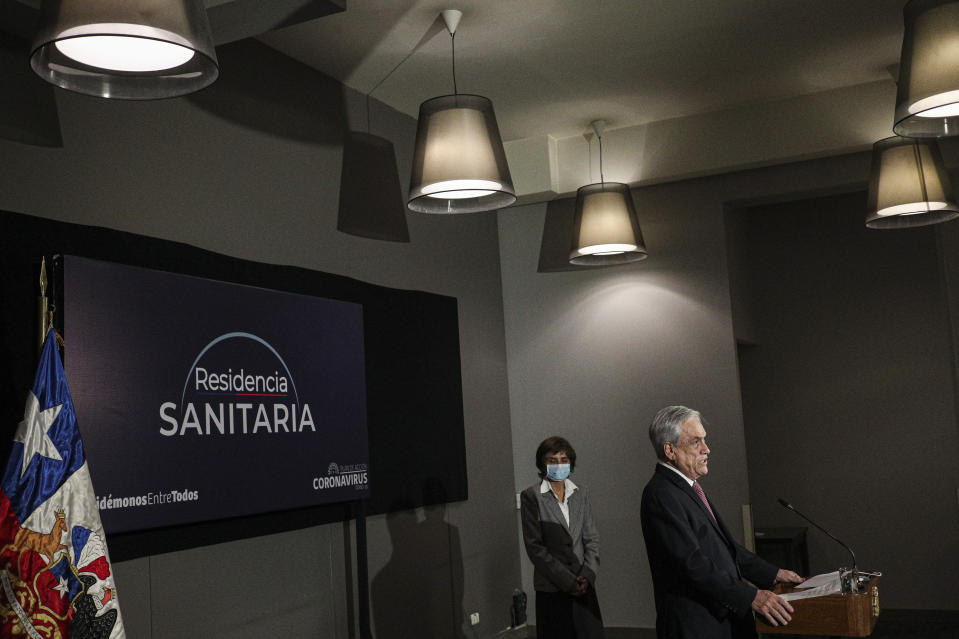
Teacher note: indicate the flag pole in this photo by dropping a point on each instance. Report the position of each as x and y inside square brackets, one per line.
[43, 308]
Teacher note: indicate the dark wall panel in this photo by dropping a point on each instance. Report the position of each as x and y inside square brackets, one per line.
[848, 393]
[414, 392]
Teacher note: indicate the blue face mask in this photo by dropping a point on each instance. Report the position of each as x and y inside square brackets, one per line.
[557, 472]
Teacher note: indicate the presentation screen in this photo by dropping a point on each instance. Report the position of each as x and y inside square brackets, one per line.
[200, 399]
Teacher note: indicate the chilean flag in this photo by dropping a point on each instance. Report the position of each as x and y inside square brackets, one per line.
[55, 573]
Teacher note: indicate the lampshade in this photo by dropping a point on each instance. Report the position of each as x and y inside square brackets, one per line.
[459, 165]
[605, 228]
[128, 49]
[908, 185]
[927, 104]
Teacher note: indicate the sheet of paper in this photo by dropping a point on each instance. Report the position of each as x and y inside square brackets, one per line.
[821, 580]
[820, 591]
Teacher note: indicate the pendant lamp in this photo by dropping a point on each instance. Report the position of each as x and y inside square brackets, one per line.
[459, 165]
[127, 49]
[908, 185]
[927, 103]
[605, 227]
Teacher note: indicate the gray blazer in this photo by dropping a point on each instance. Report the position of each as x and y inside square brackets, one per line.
[559, 552]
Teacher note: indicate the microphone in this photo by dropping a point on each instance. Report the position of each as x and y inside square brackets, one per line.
[786, 504]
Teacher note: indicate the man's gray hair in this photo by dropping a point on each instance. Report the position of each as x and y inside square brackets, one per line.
[665, 427]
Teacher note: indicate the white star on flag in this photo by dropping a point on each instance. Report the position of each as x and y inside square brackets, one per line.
[32, 432]
[62, 587]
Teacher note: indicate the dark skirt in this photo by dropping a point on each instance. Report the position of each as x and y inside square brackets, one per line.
[560, 615]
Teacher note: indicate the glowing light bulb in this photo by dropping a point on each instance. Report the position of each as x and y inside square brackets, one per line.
[607, 249]
[124, 47]
[461, 189]
[941, 105]
[912, 208]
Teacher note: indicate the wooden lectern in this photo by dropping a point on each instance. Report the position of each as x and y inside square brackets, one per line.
[837, 615]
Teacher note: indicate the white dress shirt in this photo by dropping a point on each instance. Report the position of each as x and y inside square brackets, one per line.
[570, 488]
[678, 472]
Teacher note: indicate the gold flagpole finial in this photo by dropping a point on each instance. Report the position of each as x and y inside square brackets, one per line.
[43, 276]
[43, 312]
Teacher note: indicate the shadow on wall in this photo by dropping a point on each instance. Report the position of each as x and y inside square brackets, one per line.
[371, 200]
[261, 89]
[28, 109]
[557, 231]
[419, 592]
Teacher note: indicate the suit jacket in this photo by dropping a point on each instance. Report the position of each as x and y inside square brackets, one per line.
[698, 569]
[559, 552]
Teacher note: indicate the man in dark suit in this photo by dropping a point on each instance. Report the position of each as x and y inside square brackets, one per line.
[699, 571]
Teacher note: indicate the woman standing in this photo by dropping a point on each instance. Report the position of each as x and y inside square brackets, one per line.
[563, 544]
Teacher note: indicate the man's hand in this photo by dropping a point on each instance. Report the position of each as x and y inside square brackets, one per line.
[773, 607]
[788, 577]
[579, 588]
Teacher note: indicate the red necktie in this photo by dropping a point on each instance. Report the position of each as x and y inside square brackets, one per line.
[702, 497]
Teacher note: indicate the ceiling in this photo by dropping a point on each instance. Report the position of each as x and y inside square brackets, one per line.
[686, 87]
[552, 66]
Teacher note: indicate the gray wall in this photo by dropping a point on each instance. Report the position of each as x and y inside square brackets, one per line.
[251, 168]
[594, 353]
[848, 394]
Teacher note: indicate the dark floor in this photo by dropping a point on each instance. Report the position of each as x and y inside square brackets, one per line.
[892, 624]
[630, 633]
[611, 633]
